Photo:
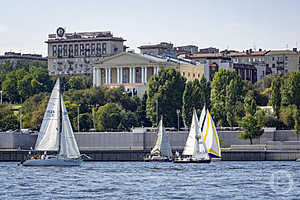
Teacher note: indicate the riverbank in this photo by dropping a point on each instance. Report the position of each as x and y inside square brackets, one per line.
[14, 155]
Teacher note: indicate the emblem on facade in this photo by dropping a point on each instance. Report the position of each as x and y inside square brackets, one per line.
[60, 32]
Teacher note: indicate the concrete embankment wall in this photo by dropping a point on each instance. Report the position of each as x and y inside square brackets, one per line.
[132, 146]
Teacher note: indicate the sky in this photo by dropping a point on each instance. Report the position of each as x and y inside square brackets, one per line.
[224, 24]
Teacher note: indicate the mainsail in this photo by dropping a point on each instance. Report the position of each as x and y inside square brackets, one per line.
[48, 138]
[211, 138]
[194, 145]
[68, 144]
[190, 145]
[162, 146]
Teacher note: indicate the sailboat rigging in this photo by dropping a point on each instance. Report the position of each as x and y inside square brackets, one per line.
[56, 134]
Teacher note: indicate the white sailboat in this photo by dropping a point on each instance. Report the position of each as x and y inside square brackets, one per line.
[195, 150]
[53, 137]
[161, 151]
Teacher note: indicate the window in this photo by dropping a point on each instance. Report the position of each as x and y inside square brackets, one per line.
[65, 50]
[87, 49]
[54, 51]
[81, 49]
[93, 49]
[76, 50]
[273, 65]
[104, 48]
[59, 50]
[70, 50]
[98, 49]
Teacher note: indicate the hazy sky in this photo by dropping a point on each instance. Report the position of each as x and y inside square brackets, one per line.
[234, 24]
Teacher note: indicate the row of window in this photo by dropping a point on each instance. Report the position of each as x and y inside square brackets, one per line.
[189, 74]
[72, 50]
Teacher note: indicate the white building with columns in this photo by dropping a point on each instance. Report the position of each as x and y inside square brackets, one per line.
[131, 70]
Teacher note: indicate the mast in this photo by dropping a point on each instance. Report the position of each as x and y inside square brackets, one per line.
[60, 121]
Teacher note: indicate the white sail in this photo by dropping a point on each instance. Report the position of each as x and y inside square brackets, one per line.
[162, 146]
[203, 148]
[190, 145]
[68, 144]
[211, 138]
[48, 138]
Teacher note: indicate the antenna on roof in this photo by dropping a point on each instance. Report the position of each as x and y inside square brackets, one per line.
[254, 47]
[287, 46]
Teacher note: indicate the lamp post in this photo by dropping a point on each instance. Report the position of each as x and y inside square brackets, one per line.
[93, 114]
[78, 116]
[1, 96]
[178, 112]
[20, 111]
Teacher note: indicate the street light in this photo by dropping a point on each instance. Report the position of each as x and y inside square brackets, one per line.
[20, 111]
[78, 116]
[1, 96]
[178, 112]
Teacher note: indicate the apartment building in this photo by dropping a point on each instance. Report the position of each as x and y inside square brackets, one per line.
[75, 53]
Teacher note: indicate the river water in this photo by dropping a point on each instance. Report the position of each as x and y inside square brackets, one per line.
[139, 180]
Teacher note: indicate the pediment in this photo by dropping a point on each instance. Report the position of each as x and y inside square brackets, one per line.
[128, 59]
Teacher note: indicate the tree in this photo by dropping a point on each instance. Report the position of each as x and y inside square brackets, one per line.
[290, 91]
[141, 113]
[108, 117]
[85, 122]
[164, 92]
[286, 115]
[251, 128]
[9, 87]
[218, 94]
[276, 95]
[297, 121]
[233, 98]
[7, 118]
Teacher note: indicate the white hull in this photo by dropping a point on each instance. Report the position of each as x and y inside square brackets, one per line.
[298, 160]
[54, 161]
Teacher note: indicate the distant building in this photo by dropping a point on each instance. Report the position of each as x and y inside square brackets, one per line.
[282, 61]
[209, 50]
[160, 49]
[188, 49]
[133, 71]
[14, 57]
[255, 58]
[75, 53]
[213, 62]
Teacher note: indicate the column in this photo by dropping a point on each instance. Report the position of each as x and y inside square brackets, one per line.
[109, 75]
[130, 74]
[133, 81]
[106, 76]
[143, 73]
[94, 76]
[157, 70]
[99, 77]
[154, 70]
[118, 75]
[121, 74]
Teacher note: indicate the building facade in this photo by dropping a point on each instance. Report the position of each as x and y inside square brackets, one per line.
[75, 53]
[282, 61]
[133, 71]
[14, 57]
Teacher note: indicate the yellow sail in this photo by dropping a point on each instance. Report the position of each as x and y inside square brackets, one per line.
[211, 137]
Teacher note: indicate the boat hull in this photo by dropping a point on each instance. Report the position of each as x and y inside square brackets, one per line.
[192, 161]
[53, 162]
[157, 159]
[298, 160]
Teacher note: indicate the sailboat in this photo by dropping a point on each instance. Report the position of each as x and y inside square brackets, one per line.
[161, 151]
[195, 150]
[56, 134]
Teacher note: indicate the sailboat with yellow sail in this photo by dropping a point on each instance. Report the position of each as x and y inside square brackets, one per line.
[203, 142]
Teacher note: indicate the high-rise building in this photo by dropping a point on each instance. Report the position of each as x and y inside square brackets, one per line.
[75, 53]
